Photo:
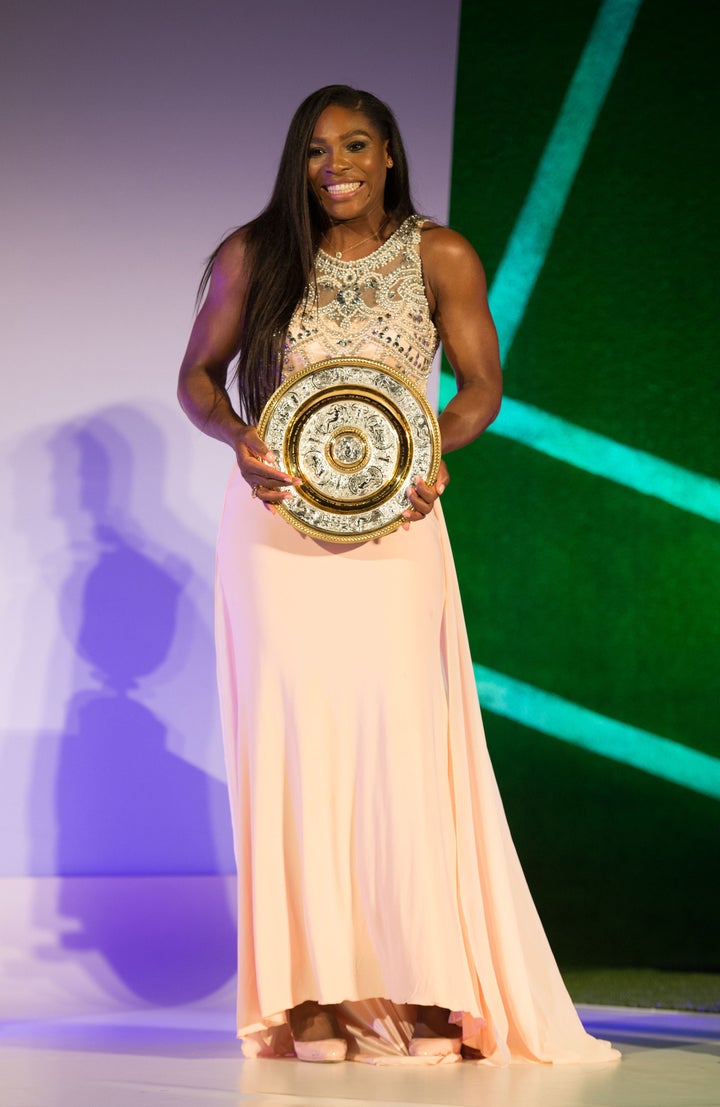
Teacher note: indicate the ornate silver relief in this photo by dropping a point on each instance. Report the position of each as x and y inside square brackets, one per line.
[357, 433]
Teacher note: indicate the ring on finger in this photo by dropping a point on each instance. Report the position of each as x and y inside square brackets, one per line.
[255, 489]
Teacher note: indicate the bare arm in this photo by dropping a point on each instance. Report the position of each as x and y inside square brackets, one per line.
[202, 385]
[214, 342]
[457, 292]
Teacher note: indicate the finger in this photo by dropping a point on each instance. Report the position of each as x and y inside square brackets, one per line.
[257, 462]
[268, 478]
[252, 441]
[256, 471]
[425, 493]
[418, 503]
[249, 462]
[270, 495]
[409, 517]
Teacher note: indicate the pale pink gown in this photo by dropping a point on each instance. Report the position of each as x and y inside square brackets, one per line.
[375, 865]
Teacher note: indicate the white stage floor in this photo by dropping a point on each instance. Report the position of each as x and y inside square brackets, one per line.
[187, 1056]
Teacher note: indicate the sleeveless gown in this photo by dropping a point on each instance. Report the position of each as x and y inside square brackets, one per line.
[375, 866]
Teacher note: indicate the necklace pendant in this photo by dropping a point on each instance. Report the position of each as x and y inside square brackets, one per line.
[338, 254]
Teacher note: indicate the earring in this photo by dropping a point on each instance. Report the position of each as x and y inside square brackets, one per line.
[389, 163]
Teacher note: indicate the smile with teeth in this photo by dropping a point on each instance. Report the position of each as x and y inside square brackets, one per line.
[343, 189]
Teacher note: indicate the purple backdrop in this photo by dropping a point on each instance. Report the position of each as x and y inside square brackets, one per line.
[135, 135]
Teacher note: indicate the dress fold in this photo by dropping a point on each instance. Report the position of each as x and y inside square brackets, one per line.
[375, 866]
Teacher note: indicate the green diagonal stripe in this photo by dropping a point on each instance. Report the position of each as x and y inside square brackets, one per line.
[562, 719]
[601, 456]
[525, 254]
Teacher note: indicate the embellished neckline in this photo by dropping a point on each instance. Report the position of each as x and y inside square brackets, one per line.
[377, 256]
[375, 307]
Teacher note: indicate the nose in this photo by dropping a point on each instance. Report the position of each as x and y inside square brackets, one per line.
[336, 160]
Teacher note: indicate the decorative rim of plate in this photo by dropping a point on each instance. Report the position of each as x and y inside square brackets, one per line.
[351, 363]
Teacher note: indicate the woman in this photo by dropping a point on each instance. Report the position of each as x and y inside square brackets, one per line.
[382, 906]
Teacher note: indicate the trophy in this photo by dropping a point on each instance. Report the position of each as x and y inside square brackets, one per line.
[357, 433]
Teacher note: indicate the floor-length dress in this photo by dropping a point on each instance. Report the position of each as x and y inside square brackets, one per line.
[375, 866]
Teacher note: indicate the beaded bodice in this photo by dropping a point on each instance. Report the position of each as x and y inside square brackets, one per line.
[372, 308]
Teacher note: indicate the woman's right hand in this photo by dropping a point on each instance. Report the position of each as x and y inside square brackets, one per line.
[256, 463]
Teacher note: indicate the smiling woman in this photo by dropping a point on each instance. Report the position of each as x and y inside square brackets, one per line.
[383, 915]
[348, 163]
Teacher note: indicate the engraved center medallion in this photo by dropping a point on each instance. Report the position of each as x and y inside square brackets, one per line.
[347, 449]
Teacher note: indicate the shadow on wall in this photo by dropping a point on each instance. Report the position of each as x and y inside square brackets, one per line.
[124, 803]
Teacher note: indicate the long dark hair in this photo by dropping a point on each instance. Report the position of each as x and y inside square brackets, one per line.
[282, 241]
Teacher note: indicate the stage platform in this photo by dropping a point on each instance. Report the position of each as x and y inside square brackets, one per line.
[187, 1056]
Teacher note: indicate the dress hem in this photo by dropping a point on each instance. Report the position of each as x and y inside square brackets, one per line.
[379, 1031]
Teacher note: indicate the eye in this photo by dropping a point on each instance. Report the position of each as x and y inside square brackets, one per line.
[315, 152]
[358, 144]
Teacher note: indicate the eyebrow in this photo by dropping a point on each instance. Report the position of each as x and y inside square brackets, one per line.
[348, 134]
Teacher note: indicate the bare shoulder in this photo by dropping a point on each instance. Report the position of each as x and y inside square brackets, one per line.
[232, 256]
[445, 247]
[228, 273]
[447, 255]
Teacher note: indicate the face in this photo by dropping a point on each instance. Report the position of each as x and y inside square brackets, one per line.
[348, 161]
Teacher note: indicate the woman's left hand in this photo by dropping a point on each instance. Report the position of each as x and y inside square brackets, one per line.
[422, 496]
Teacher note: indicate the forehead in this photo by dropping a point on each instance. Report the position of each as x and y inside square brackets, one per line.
[336, 121]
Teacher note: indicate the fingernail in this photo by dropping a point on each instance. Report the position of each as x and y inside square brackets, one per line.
[440, 489]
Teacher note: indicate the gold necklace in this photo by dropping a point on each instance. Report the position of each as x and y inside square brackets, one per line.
[339, 253]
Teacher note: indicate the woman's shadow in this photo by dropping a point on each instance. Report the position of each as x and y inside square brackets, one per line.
[125, 804]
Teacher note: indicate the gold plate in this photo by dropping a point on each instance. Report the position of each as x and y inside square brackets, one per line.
[357, 433]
